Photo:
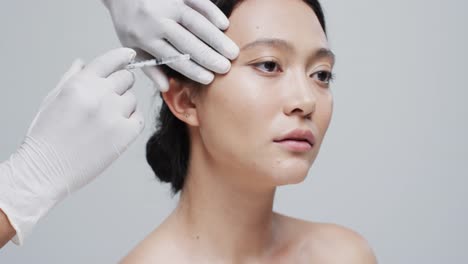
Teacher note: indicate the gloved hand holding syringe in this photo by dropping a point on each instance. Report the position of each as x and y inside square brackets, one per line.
[71, 132]
[72, 128]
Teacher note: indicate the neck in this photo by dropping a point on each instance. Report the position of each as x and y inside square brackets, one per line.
[221, 217]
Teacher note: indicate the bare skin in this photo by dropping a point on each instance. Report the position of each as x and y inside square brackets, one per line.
[225, 212]
[298, 242]
[6, 230]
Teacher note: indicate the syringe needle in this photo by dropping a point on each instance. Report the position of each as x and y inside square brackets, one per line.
[155, 62]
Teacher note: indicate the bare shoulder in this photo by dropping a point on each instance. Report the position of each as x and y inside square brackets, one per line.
[155, 248]
[329, 243]
[346, 244]
[144, 252]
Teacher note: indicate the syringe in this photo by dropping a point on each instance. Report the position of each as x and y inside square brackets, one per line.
[155, 62]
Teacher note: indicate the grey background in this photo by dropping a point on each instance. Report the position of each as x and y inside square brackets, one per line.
[392, 167]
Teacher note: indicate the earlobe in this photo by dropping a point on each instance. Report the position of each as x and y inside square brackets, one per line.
[179, 100]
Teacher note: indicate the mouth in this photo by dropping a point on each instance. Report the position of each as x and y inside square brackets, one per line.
[297, 140]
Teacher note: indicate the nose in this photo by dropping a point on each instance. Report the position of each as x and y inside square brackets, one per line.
[301, 99]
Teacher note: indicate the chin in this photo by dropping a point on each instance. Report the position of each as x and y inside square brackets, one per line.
[294, 179]
[288, 171]
[290, 175]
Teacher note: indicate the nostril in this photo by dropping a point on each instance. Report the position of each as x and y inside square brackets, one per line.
[297, 111]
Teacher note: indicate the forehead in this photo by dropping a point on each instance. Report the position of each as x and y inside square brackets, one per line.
[291, 20]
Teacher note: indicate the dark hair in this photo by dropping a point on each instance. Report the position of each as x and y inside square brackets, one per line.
[168, 149]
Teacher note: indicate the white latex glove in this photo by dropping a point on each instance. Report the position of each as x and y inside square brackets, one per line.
[163, 28]
[82, 126]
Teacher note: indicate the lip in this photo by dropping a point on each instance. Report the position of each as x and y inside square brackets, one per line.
[299, 140]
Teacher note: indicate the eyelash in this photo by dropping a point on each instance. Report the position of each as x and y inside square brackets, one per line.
[329, 76]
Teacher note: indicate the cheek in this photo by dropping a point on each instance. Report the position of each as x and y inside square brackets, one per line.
[324, 112]
[241, 98]
[230, 111]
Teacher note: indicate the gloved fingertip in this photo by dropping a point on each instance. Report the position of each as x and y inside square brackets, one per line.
[225, 66]
[158, 78]
[127, 55]
[133, 54]
[223, 23]
[232, 51]
[206, 77]
[162, 86]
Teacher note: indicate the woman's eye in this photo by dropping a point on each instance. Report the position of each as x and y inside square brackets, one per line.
[324, 76]
[268, 66]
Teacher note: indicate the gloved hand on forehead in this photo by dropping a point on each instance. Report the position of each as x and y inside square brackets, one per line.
[82, 126]
[163, 28]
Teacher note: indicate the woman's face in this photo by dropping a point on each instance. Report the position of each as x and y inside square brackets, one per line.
[278, 84]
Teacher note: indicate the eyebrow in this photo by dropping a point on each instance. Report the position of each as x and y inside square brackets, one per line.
[272, 42]
[283, 44]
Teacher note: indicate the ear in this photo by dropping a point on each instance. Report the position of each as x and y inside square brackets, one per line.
[179, 99]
